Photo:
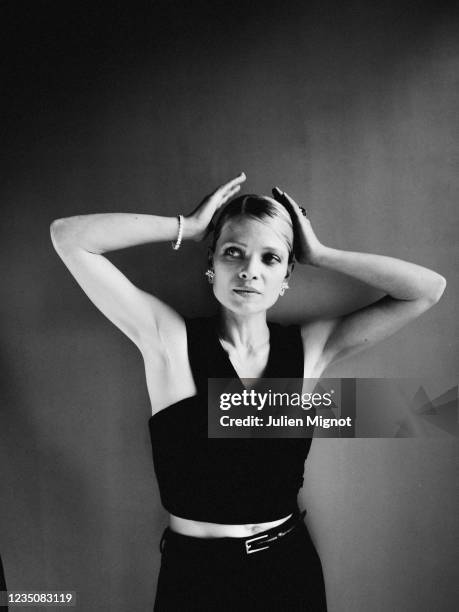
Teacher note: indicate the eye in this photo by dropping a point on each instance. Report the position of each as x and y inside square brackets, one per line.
[271, 258]
[233, 252]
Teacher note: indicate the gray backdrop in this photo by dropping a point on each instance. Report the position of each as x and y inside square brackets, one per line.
[351, 108]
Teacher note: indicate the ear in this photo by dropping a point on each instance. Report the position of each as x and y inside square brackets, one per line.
[210, 257]
[290, 267]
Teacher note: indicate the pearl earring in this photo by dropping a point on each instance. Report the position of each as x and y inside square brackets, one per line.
[210, 276]
[284, 287]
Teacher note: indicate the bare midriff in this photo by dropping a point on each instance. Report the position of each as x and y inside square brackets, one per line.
[199, 529]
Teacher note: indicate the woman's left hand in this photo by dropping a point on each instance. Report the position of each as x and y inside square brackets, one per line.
[307, 245]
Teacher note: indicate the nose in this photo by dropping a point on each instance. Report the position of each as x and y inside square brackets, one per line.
[250, 270]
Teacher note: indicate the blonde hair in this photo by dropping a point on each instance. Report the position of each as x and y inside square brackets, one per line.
[257, 207]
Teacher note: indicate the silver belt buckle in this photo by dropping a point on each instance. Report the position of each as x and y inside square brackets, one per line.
[247, 543]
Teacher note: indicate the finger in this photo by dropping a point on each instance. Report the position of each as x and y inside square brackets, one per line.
[240, 178]
[218, 205]
[224, 194]
[289, 201]
[277, 194]
[299, 210]
[236, 181]
[230, 194]
[232, 191]
[282, 195]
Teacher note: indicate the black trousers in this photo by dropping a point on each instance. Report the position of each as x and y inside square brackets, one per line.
[217, 574]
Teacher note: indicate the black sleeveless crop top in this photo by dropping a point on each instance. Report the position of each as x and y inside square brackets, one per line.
[229, 481]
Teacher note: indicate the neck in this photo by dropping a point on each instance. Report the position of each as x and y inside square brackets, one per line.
[248, 332]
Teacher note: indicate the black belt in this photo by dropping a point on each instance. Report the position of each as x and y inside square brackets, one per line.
[261, 541]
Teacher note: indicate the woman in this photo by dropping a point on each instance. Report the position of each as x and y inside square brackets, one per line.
[236, 537]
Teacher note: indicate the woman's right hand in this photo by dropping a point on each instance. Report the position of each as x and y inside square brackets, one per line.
[200, 219]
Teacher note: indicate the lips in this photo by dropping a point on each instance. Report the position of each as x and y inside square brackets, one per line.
[245, 290]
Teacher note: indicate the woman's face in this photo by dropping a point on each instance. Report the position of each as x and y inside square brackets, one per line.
[250, 263]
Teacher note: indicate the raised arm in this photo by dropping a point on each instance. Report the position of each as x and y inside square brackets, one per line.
[410, 290]
[81, 242]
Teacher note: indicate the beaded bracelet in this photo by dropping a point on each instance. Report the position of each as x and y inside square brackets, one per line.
[180, 233]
